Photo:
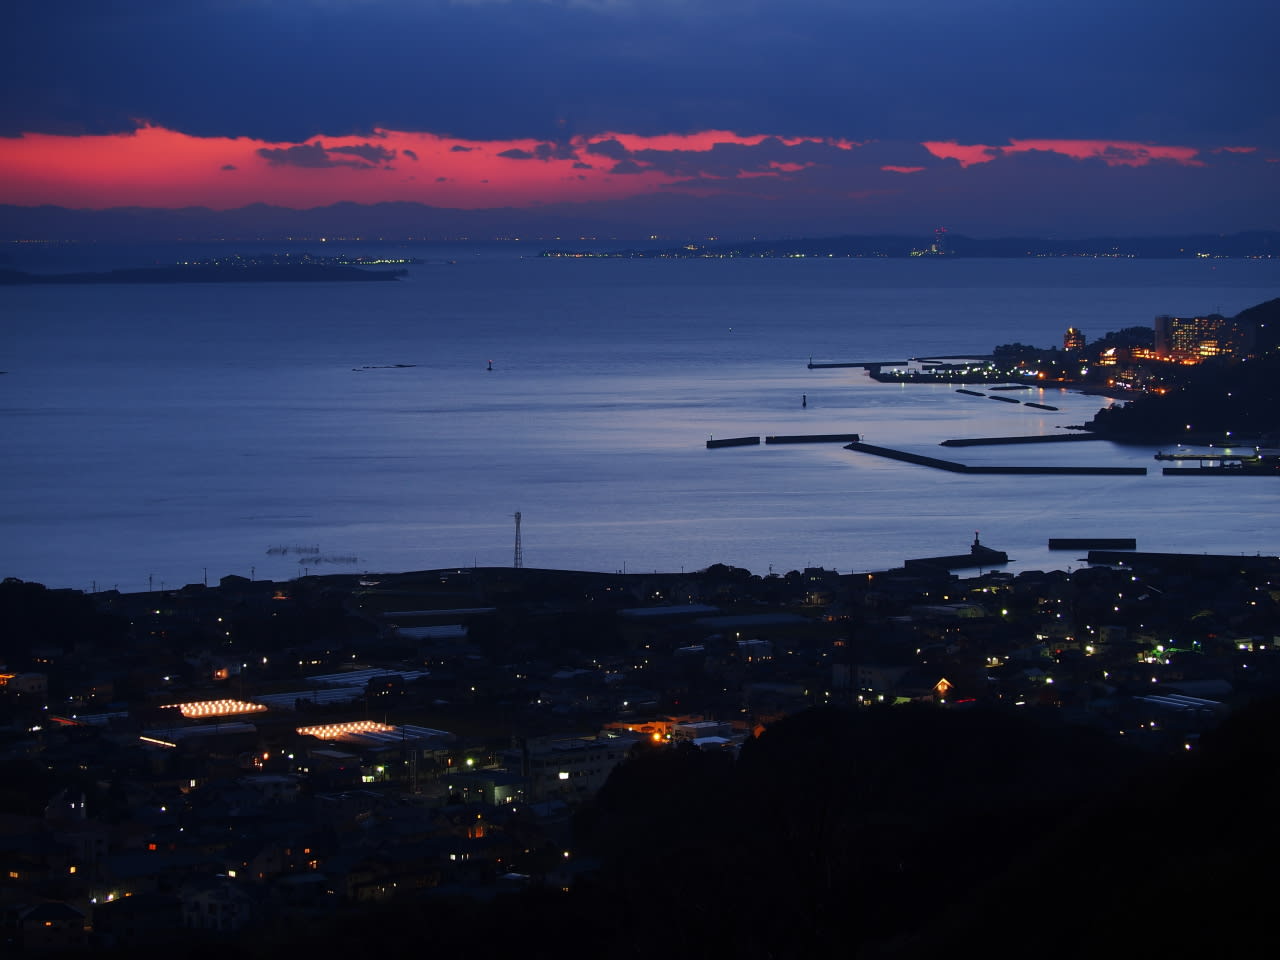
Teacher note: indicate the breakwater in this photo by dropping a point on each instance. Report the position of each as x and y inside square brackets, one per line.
[1037, 438]
[816, 438]
[793, 438]
[1093, 543]
[952, 467]
[979, 555]
[993, 396]
[857, 363]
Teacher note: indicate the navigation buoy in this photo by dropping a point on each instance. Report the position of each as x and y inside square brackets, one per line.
[490, 367]
[804, 400]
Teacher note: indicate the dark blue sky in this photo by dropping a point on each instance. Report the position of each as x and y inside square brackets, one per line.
[889, 76]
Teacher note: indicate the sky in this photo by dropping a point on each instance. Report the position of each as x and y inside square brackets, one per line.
[741, 117]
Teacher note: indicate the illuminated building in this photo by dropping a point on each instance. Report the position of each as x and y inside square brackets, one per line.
[330, 731]
[1192, 339]
[216, 708]
[1072, 340]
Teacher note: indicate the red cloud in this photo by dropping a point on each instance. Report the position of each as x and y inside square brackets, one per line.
[1114, 153]
[154, 166]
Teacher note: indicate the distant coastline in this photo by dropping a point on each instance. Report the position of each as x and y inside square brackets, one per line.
[281, 268]
[1256, 244]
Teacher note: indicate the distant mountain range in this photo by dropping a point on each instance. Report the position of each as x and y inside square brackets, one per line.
[560, 225]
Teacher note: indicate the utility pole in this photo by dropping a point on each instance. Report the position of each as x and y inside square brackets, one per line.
[519, 556]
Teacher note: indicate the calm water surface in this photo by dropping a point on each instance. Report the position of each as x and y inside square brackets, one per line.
[165, 431]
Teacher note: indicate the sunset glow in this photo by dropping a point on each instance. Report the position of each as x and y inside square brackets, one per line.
[154, 166]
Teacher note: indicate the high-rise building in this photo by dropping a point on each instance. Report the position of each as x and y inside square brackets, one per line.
[1192, 339]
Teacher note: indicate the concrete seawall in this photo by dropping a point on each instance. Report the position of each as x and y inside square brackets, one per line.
[733, 442]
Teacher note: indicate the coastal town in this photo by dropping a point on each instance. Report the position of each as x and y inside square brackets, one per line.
[237, 758]
[352, 758]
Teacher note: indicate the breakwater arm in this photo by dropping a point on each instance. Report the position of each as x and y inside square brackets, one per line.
[816, 438]
[952, 467]
[1038, 438]
[1093, 543]
[857, 363]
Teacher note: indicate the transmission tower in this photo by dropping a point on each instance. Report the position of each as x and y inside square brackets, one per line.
[519, 559]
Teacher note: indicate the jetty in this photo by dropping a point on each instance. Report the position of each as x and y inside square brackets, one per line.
[733, 442]
[952, 466]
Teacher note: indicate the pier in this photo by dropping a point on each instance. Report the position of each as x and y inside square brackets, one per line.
[733, 442]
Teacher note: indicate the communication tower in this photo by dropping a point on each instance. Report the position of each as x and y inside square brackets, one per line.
[519, 557]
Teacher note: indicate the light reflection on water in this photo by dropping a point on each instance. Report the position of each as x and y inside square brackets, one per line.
[161, 430]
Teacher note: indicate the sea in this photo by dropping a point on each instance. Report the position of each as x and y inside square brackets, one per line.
[157, 435]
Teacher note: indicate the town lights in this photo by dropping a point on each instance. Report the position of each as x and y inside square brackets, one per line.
[216, 708]
[328, 731]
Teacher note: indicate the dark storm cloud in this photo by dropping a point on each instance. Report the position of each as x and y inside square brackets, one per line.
[541, 69]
